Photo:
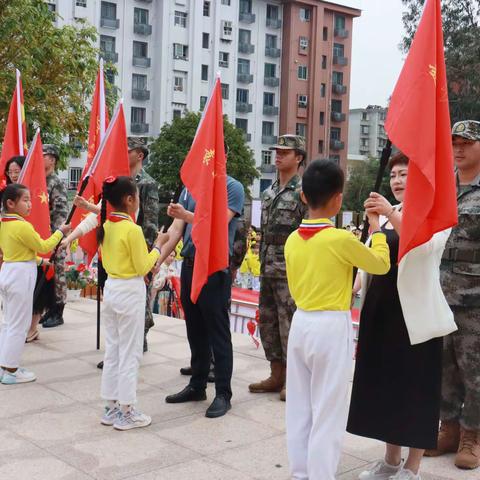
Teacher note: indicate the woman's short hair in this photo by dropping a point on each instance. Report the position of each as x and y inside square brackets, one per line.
[398, 159]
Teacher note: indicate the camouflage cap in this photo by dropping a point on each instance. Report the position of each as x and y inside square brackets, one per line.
[469, 129]
[290, 142]
[137, 142]
[50, 149]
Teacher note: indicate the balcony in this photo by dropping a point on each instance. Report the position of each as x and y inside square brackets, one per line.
[267, 168]
[141, 62]
[338, 117]
[342, 61]
[272, 52]
[140, 94]
[246, 17]
[271, 81]
[111, 57]
[247, 48]
[139, 127]
[269, 139]
[336, 144]
[341, 33]
[142, 29]
[243, 107]
[274, 22]
[245, 77]
[339, 89]
[270, 110]
[109, 22]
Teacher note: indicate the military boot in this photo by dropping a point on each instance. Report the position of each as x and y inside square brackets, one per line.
[468, 456]
[448, 439]
[56, 318]
[274, 383]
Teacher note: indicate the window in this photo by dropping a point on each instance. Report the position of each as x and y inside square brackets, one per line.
[305, 14]
[139, 115]
[365, 129]
[270, 41]
[107, 44]
[244, 36]
[245, 6]
[223, 59]
[267, 128]
[324, 62]
[139, 82]
[302, 72]
[301, 129]
[227, 30]
[81, 3]
[269, 99]
[203, 102]
[177, 113]
[270, 70]
[226, 2]
[320, 146]
[364, 142]
[109, 10]
[302, 101]
[225, 89]
[180, 51]
[205, 73]
[325, 34]
[140, 16]
[52, 7]
[337, 78]
[323, 90]
[110, 76]
[337, 106]
[205, 40]
[381, 130]
[335, 133]
[322, 118]
[264, 184]
[266, 157]
[74, 176]
[339, 22]
[365, 116]
[206, 9]
[178, 84]
[242, 95]
[180, 19]
[140, 49]
[272, 12]
[242, 124]
[338, 50]
[303, 43]
[243, 66]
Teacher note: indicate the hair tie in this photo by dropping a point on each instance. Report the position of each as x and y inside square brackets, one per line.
[110, 179]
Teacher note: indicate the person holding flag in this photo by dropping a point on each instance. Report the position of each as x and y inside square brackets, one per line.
[206, 218]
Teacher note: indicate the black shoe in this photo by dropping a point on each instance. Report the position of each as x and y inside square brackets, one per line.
[56, 319]
[188, 394]
[49, 313]
[219, 407]
[186, 371]
[100, 365]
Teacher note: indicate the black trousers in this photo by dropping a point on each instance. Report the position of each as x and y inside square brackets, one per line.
[208, 330]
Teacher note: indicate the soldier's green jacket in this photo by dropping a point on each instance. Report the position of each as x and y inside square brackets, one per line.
[57, 200]
[148, 213]
[461, 279]
[282, 213]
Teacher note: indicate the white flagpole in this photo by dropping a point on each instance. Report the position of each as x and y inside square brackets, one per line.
[21, 140]
[102, 102]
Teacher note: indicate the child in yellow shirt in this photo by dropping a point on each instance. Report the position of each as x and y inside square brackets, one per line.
[126, 260]
[320, 260]
[20, 244]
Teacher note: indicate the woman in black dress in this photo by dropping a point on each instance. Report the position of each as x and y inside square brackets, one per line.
[396, 386]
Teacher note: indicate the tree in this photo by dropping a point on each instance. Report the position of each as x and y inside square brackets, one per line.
[58, 67]
[462, 51]
[361, 182]
[170, 148]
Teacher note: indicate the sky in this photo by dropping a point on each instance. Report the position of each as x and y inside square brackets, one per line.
[376, 58]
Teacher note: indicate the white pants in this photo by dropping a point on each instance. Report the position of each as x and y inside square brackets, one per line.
[123, 316]
[320, 348]
[17, 283]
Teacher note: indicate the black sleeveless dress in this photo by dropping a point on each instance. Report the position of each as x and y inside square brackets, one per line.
[397, 387]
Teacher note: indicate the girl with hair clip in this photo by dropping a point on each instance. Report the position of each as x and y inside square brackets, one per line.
[20, 244]
[126, 260]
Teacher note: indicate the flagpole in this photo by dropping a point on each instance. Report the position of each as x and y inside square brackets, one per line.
[29, 156]
[21, 140]
[102, 102]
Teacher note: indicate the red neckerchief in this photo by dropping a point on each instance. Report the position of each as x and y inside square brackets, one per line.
[308, 230]
[119, 217]
[12, 217]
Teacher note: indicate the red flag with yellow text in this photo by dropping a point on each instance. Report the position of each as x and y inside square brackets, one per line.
[204, 174]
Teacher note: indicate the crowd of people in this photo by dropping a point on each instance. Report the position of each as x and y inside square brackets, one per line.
[403, 388]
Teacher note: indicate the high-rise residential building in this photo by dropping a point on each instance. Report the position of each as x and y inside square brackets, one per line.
[284, 66]
[367, 135]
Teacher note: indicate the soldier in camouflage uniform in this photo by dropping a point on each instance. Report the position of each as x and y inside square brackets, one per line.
[148, 213]
[282, 213]
[58, 203]
[460, 277]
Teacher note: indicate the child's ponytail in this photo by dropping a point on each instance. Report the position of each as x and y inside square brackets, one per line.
[103, 210]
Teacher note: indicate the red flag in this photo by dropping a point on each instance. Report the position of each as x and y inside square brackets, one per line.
[15, 139]
[96, 132]
[418, 124]
[33, 177]
[204, 175]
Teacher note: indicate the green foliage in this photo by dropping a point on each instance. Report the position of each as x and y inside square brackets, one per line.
[462, 51]
[58, 67]
[170, 148]
[361, 182]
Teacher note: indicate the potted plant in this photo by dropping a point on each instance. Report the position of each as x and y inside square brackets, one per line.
[78, 277]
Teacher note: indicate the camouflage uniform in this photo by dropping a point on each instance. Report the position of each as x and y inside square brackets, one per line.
[460, 277]
[282, 213]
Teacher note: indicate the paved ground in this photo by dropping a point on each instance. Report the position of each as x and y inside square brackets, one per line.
[50, 429]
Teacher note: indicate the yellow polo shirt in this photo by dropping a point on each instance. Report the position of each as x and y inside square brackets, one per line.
[320, 269]
[124, 249]
[20, 242]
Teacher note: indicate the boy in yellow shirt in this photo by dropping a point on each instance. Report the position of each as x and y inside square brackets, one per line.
[320, 260]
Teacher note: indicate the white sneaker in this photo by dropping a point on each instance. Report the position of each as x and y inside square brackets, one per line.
[22, 375]
[110, 415]
[132, 419]
[405, 474]
[381, 471]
